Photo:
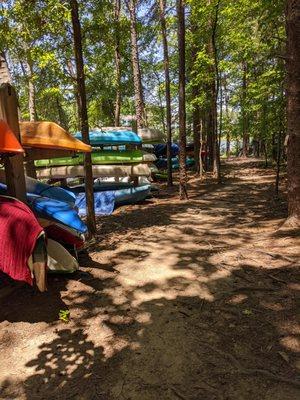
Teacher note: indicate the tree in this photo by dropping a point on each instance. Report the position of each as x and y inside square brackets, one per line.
[82, 106]
[162, 8]
[138, 88]
[293, 106]
[117, 10]
[182, 111]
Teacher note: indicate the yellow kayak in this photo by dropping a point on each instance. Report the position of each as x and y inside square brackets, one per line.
[49, 135]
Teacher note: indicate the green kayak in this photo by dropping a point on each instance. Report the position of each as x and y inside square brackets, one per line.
[98, 157]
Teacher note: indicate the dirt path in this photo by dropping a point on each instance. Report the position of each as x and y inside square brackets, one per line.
[178, 300]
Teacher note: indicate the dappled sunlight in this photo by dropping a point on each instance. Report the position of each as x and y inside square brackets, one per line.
[176, 304]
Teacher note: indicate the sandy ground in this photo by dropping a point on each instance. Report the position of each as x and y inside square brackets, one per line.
[177, 300]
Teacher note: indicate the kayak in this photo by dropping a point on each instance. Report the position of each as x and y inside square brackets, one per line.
[132, 195]
[55, 210]
[98, 158]
[59, 260]
[8, 141]
[102, 186]
[151, 135]
[53, 192]
[160, 150]
[106, 201]
[112, 137]
[161, 163]
[49, 135]
[98, 171]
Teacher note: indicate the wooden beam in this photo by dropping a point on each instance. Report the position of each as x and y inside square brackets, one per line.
[43, 154]
[14, 168]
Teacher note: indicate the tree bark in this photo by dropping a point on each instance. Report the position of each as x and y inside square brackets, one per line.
[182, 112]
[196, 134]
[214, 93]
[31, 91]
[293, 106]
[244, 113]
[117, 11]
[137, 80]
[162, 7]
[91, 221]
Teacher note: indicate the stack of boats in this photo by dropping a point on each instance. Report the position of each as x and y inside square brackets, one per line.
[121, 169]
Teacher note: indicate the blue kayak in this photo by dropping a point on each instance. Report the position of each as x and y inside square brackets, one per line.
[160, 150]
[98, 138]
[57, 211]
[132, 195]
[106, 200]
[53, 210]
[52, 192]
[102, 187]
[162, 163]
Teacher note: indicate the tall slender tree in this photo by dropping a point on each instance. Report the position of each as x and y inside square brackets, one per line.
[137, 79]
[162, 11]
[182, 110]
[82, 105]
[117, 11]
[293, 106]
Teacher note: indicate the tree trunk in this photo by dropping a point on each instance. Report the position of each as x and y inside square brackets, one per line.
[31, 92]
[137, 80]
[293, 106]
[117, 62]
[182, 112]
[196, 135]
[214, 88]
[29, 166]
[162, 6]
[244, 113]
[91, 221]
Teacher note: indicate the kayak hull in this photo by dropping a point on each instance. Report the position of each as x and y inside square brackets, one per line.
[98, 171]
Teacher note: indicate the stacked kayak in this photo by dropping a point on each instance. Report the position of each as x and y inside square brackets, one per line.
[161, 163]
[112, 137]
[108, 195]
[100, 157]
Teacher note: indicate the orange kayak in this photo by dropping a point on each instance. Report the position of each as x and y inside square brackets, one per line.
[8, 141]
[49, 135]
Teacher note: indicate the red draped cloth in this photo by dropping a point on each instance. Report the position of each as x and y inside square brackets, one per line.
[19, 230]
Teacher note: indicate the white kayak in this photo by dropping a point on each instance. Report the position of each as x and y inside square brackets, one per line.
[98, 171]
[151, 135]
[59, 259]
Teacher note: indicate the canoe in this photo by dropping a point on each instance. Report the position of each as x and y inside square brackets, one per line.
[59, 260]
[98, 171]
[151, 135]
[49, 135]
[112, 137]
[8, 141]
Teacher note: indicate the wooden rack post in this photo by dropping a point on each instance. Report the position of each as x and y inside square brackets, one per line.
[14, 168]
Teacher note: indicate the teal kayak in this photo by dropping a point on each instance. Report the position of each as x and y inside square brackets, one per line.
[98, 138]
